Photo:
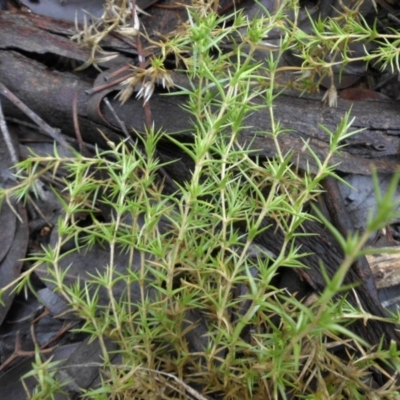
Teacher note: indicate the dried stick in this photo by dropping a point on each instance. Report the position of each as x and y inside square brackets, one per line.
[7, 137]
[118, 119]
[107, 85]
[54, 133]
[83, 149]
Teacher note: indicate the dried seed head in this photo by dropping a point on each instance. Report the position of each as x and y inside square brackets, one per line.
[331, 96]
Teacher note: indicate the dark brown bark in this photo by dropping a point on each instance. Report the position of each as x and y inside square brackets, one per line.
[50, 93]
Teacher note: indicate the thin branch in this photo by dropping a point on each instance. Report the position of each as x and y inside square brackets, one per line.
[7, 137]
[54, 133]
[118, 119]
[83, 149]
[107, 85]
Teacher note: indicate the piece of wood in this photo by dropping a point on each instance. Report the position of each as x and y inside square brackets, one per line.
[385, 269]
[50, 94]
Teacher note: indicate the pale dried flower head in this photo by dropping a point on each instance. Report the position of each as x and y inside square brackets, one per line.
[117, 17]
[331, 96]
[143, 81]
